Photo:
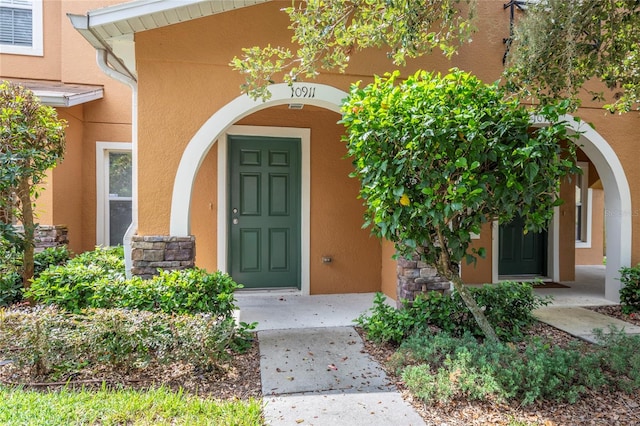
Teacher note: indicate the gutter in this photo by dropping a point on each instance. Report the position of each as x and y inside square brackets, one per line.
[82, 24]
[115, 68]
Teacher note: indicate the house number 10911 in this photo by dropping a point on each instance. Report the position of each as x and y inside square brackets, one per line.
[303, 92]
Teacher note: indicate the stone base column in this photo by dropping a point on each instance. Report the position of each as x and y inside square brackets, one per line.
[152, 252]
[46, 236]
[415, 277]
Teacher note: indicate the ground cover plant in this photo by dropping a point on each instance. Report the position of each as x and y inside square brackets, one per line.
[439, 368]
[443, 362]
[49, 343]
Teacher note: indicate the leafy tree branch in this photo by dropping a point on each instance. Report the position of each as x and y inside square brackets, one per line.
[558, 46]
[438, 156]
[328, 32]
[33, 141]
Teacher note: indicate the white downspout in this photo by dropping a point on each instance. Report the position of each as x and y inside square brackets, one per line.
[102, 59]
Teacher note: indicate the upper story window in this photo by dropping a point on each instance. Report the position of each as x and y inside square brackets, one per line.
[21, 27]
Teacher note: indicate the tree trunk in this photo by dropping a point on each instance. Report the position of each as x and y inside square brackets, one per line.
[29, 231]
[476, 311]
[445, 267]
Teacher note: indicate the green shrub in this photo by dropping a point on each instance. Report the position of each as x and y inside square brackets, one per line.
[10, 287]
[50, 256]
[386, 323]
[11, 269]
[54, 343]
[630, 291]
[184, 291]
[439, 368]
[71, 287]
[78, 286]
[508, 307]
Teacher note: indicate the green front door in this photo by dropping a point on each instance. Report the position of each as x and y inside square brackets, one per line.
[264, 211]
[520, 253]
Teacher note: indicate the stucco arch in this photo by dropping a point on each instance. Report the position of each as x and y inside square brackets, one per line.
[618, 210]
[618, 213]
[316, 94]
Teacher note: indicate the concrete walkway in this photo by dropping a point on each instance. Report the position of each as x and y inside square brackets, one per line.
[314, 368]
[323, 376]
[581, 322]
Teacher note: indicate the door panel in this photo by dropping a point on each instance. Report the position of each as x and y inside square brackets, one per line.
[279, 250]
[250, 194]
[520, 253]
[264, 195]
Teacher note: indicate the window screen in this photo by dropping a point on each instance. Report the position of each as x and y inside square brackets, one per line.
[16, 22]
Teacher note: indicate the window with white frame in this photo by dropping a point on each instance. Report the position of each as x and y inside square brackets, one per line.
[114, 192]
[583, 207]
[21, 27]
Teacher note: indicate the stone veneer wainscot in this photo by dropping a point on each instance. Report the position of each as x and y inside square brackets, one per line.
[152, 252]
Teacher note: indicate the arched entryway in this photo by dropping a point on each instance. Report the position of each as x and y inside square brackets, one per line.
[617, 208]
[617, 202]
[221, 124]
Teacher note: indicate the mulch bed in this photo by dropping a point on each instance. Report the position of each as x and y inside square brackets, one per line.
[240, 378]
[594, 408]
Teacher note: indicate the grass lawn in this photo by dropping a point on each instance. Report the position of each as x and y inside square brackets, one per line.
[118, 407]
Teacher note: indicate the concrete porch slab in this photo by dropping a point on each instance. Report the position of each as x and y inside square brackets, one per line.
[581, 322]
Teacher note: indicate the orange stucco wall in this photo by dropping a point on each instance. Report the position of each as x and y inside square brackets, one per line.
[621, 132]
[567, 231]
[389, 281]
[184, 78]
[594, 255]
[480, 272]
[67, 208]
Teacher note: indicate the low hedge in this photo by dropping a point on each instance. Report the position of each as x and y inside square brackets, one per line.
[508, 307]
[97, 280]
[54, 343]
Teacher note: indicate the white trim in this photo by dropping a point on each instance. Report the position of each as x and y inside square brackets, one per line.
[495, 251]
[589, 224]
[618, 208]
[305, 196]
[587, 208]
[102, 180]
[553, 246]
[37, 35]
[173, 11]
[214, 130]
